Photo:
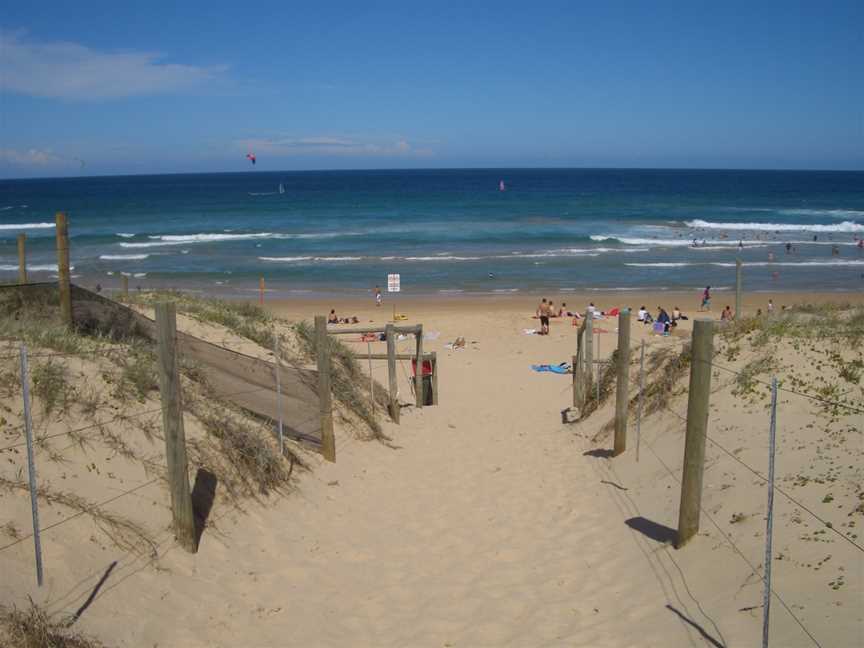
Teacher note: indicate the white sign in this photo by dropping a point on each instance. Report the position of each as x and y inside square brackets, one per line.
[393, 283]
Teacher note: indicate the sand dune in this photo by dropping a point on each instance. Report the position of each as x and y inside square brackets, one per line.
[489, 522]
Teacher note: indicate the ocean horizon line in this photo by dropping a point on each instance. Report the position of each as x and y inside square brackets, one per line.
[374, 170]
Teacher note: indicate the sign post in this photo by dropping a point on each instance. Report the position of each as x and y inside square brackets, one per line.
[394, 285]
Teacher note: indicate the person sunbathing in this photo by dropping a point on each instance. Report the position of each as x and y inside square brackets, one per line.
[332, 318]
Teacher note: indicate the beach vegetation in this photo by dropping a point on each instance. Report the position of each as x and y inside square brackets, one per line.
[242, 454]
[349, 384]
[121, 531]
[51, 387]
[34, 628]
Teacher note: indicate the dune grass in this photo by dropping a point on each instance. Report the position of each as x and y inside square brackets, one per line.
[34, 628]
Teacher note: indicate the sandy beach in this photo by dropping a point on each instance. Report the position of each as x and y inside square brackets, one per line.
[484, 521]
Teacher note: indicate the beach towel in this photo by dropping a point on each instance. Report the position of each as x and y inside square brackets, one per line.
[530, 331]
[399, 317]
[562, 368]
[659, 328]
[613, 313]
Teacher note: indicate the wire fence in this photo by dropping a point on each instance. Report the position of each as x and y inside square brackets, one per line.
[824, 523]
[98, 423]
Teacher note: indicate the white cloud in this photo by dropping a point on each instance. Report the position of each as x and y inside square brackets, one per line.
[328, 145]
[73, 71]
[30, 157]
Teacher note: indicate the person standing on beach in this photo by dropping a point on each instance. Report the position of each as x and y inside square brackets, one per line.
[378, 297]
[770, 307]
[706, 299]
[543, 313]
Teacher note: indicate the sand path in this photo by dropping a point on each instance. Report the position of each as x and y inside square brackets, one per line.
[486, 526]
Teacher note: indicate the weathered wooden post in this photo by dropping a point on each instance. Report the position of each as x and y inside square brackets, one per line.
[22, 258]
[63, 268]
[172, 424]
[434, 356]
[588, 351]
[125, 281]
[391, 372]
[325, 398]
[702, 351]
[260, 291]
[738, 290]
[418, 371]
[622, 394]
[578, 400]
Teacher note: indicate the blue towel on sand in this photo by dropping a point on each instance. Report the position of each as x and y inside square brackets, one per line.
[562, 368]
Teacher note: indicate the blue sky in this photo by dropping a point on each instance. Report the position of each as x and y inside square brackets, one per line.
[134, 87]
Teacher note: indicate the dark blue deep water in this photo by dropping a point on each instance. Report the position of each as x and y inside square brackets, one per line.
[448, 230]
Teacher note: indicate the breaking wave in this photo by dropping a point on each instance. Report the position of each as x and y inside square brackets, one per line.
[845, 226]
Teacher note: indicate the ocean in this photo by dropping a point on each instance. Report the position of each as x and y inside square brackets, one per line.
[446, 231]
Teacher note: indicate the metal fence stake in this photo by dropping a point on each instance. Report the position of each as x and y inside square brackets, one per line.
[639, 410]
[599, 374]
[766, 596]
[31, 466]
[371, 379]
[279, 390]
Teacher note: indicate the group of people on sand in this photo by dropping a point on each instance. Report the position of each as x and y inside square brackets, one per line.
[332, 318]
[547, 310]
[663, 317]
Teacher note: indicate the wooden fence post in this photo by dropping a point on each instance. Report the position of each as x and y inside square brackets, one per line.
[622, 392]
[325, 398]
[125, 281]
[418, 370]
[22, 258]
[391, 372]
[575, 369]
[702, 351]
[260, 291]
[588, 352]
[172, 424]
[738, 289]
[63, 268]
[434, 356]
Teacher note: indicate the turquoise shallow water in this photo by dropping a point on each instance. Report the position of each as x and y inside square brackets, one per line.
[448, 230]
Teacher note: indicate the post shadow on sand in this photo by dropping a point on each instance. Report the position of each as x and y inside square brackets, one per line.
[600, 453]
[203, 494]
[653, 530]
[711, 640]
[81, 610]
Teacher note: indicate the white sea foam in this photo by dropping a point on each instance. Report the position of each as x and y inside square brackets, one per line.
[832, 213]
[289, 259]
[185, 239]
[48, 267]
[443, 258]
[21, 226]
[123, 257]
[845, 226]
[505, 290]
[836, 262]
[661, 265]
[7, 208]
[138, 275]
[124, 235]
[721, 264]
[679, 242]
